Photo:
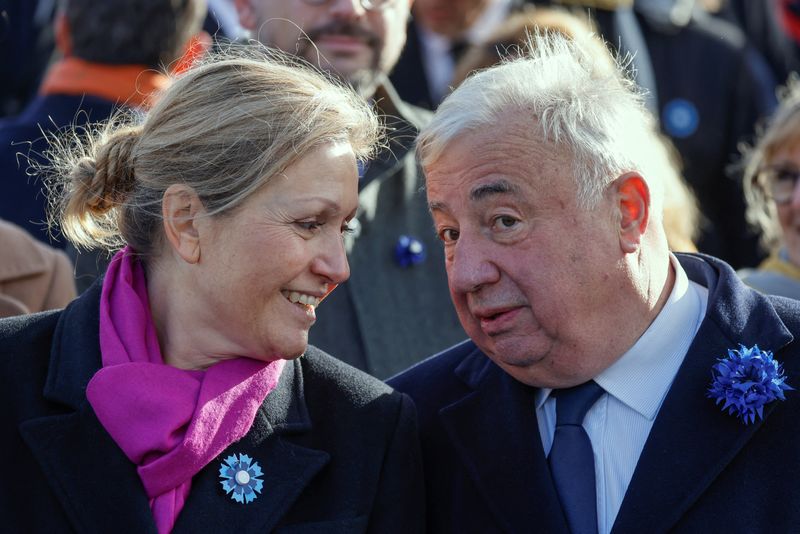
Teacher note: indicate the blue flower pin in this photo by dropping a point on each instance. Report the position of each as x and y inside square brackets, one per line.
[747, 380]
[409, 251]
[239, 478]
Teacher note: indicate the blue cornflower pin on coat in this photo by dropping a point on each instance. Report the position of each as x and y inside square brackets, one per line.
[409, 251]
[239, 478]
[747, 380]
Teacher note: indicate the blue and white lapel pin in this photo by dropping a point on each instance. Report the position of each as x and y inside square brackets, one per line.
[240, 478]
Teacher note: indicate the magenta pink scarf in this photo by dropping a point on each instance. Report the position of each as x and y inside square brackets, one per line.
[169, 422]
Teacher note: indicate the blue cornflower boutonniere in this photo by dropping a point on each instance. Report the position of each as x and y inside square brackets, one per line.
[409, 251]
[747, 380]
[239, 478]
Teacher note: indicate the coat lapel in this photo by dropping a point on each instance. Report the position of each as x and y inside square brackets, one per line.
[99, 487]
[87, 471]
[273, 441]
[692, 440]
[495, 432]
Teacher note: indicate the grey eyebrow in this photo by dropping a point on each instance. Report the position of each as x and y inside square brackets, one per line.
[500, 187]
[437, 206]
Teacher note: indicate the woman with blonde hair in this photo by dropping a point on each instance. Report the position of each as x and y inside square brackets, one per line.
[171, 397]
[773, 198]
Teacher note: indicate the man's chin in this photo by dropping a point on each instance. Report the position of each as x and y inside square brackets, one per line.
[363, 80]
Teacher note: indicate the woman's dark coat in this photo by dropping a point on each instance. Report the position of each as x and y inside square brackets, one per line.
[338, 449]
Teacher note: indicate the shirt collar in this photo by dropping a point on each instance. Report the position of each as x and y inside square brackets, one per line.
[642, 376]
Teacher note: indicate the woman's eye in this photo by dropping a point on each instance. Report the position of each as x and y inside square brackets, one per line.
[310, 226]
[348, 228]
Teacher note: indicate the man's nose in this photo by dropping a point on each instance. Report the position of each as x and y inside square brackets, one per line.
[470, 265]
[346, 9]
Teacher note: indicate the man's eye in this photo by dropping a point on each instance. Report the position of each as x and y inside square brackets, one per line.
[448, 235]
[505, 221]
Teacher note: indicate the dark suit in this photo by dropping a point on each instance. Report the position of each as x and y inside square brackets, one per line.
[701, 470]
[706, 70]
[338, 449]
[23, 201]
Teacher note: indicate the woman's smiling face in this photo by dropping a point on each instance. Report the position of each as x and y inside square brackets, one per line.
[267, 264]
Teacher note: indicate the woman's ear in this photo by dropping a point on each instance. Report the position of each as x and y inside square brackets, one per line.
[180, 209]
[633, 202]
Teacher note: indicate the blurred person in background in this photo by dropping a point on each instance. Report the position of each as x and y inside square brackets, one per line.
[707, 116]
[114, 55]
[438, 35]
[171, 397]
[33, 276]
[380, 320]
[773, 198]
[441, 30]
[772, 26]
[26, 47]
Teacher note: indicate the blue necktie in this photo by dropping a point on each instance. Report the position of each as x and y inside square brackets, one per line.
[571, 458]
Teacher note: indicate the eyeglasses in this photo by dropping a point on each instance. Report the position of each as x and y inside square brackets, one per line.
[781, 182]
[368, 5]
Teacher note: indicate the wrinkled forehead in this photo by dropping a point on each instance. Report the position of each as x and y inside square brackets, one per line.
[512, 149]
[482, 164]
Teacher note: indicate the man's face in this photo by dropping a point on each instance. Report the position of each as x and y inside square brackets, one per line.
[788, 158]
[450, 18]
[534, 277]
[337, 35]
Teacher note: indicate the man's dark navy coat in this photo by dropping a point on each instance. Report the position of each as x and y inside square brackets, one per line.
[338, 449]
[701, 470]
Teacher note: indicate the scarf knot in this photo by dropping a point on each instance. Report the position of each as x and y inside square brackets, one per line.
[170, 422]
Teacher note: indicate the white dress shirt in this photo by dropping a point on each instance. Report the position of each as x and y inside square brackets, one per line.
[635, 385]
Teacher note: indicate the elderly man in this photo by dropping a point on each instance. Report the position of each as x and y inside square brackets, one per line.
[395, 309]
[608, 385]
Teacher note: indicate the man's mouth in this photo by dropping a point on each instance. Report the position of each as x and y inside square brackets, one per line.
[497, 321]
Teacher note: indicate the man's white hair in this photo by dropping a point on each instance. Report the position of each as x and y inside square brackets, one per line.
[569, 97]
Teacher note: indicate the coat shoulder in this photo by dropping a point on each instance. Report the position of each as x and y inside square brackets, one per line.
[23, 333]
[324, 374]
[788, 310]
[434, 369]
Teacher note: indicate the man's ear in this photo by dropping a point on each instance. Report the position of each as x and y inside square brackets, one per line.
[247, 15]
[633, 202]
[181, 208]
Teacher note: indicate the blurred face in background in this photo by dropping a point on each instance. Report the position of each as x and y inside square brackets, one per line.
[783, 172]
[341, 36]
[450, 18]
